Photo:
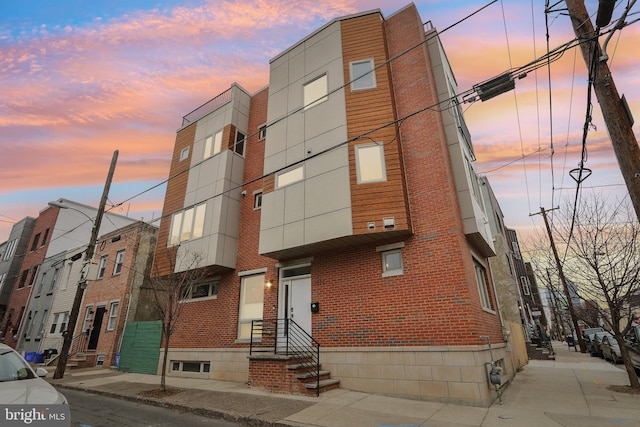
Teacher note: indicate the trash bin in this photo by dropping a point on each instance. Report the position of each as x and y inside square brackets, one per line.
[571, 341]
[39, 358]
[30, 356]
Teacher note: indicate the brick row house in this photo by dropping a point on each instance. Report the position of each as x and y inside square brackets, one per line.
[338, 207]
[40, 296]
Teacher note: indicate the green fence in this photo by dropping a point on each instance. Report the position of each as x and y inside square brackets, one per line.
[141, 347]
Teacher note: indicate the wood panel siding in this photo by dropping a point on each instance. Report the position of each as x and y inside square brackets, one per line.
[363, 38]
[174, 199]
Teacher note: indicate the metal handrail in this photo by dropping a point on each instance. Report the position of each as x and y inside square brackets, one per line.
[286, 337]
[78, 345]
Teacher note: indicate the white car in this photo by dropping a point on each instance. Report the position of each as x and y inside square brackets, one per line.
[21, 385]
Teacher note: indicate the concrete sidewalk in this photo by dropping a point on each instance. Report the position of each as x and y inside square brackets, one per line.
[570, 391]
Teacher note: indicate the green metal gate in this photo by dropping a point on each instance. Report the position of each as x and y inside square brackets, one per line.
[141, 347]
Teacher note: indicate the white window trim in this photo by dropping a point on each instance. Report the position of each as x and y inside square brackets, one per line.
[383, 166]
[119, 262]
[187, 298]
[196, 215]
[262, 132]
[291, 175]
[257, 195]
[184, 154]
[212, 144]
[310, 103]
[392, 272]
[483, 288]
[354, 79]
[113, 318]
[102, 267]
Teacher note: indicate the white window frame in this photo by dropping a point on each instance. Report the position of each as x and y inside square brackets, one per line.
[251, 305]
[103, 266]
[364, 164]
[391, 249]
[43, 324]
[187, 224]
[526, 289]
[88, 315]
[11, 249]
[316, 91]
[54, 279]
[290, 176]
[257, 200]
[483, 286]
[240, 144]
[262, 132]
[184, 154]
[212, 291]
[117, 268]
[213, 144]
[113, 315]
[3, 276]
[362, 80]
[178, 365]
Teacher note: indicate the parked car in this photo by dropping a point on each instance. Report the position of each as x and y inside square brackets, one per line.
[610, 349]
[632, 341]
[21, 384]
[596, 341]
[587, 336]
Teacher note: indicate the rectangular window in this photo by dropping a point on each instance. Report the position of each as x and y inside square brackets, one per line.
[262, 132]
[315, 92]
[184, 154]
[63, 322]
[44, 278]
[187, 224]
[54, 324]
[483, 289]
[370, 164]
[43, 323]
[103, 266]
[87, 318]
[3, 277]
[190, 366]
[392, 263]
[113, 316]
[240, 140]
[202, 290]
[119, 260]
[290, 177]
[212, 144]
[31, 321]
[363, 75]
[54, 279]
[34, 274]
[11, 249]
[257, 200]
[46, 236]
[251, 303]
[36, 239]
[23, 278]
[525, 285]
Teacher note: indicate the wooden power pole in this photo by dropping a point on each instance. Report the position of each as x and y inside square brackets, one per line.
[616, 115]
[88, 256]
[563, 280]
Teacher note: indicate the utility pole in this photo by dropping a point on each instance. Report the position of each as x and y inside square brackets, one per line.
[614, 110]
[554, 310]
[563, 280]
[82, 283]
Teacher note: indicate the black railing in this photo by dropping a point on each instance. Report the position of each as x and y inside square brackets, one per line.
[286, 338]
[78, 345]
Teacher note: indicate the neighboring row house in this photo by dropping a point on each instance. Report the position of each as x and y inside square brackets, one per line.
[42, 293]
[339, 205]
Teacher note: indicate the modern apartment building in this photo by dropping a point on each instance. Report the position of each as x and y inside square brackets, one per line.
[338, 205]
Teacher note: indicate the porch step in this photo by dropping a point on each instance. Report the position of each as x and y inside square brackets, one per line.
[325, 385]
[307, 375]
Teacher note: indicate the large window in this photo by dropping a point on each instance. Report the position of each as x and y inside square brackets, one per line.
[36, 239]
[370, 163]
[290, 177]
[11, 249]
[240, 140]
[363, 76]
[119, 259]
[251, 303]
[113, 316]
[213, 144]
[483, 288]
[202, 290]
[59, 323]
[187, 224]
[87, 318]
[54, 279]
[315, 92]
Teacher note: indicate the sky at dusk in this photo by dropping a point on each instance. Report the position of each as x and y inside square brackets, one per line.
[79, 80]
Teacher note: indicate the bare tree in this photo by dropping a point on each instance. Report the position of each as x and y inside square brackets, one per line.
[169, 292]
[603, 258]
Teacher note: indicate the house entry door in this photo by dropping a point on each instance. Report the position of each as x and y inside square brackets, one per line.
[95, 329]
[297, 301]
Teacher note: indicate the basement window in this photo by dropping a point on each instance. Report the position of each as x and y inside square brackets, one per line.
[198, 367]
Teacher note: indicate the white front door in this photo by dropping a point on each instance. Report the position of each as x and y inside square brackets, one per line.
[297, 301]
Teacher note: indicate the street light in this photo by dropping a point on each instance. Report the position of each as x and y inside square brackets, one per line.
[82, 283]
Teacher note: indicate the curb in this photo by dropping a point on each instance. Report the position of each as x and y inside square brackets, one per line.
[205, 412]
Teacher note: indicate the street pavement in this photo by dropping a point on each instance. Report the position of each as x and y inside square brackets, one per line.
[571, 391]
